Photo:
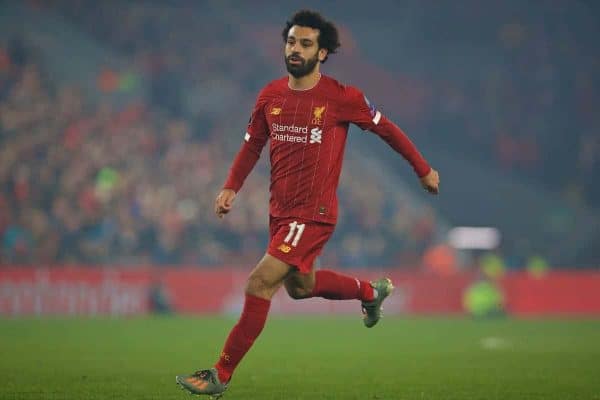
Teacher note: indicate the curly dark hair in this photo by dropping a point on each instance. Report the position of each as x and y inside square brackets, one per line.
[328, 34]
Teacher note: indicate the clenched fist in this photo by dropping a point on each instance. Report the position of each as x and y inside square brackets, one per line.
[224, 202]
[431, 182]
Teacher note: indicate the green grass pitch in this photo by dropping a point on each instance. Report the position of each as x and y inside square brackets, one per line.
[304, 358]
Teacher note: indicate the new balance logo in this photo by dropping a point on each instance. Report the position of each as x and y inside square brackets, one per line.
[315, 135]
[284, 248]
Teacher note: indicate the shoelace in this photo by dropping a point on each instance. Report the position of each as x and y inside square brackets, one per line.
[205, 374]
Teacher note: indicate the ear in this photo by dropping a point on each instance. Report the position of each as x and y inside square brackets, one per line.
[322, 54]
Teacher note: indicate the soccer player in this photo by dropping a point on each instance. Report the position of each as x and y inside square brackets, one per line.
[306, 117]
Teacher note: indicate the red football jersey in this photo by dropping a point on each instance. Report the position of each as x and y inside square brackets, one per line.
[307, 131]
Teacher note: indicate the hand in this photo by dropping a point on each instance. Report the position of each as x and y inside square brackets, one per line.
[224, 202]
[431, 182]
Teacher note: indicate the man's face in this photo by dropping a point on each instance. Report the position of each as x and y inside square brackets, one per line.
[302, 52]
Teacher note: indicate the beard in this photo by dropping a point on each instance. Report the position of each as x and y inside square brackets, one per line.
[305, 67]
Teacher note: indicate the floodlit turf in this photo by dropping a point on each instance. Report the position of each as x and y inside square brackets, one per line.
[304, 358]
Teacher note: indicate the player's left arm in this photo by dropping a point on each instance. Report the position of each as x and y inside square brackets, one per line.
[362, 113]
[254, 140]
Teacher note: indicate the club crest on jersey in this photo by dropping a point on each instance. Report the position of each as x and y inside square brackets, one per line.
[275, 110]
[318, 115]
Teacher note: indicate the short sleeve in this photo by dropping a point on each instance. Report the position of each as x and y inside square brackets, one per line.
[357, 109]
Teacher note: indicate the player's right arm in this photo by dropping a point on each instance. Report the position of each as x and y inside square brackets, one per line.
[255, 139]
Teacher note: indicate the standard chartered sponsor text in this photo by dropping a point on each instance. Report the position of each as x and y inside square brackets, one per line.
[286, 137]
[289, 128]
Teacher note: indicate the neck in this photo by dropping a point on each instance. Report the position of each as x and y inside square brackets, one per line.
[306, 82]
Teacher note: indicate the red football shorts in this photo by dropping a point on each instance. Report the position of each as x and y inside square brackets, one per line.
[297, 241]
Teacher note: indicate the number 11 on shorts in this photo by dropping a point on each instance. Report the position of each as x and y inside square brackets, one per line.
[296, 231]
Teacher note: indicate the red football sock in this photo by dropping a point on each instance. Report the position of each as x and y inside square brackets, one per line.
[334, 286]
[242, 335]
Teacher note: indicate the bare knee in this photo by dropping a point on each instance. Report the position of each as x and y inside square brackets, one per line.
[297, 292]
[259, 285]
[266, 278]
[299, 286]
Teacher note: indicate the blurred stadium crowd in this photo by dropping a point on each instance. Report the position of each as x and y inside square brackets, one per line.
[97, 182]
[530, 107]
